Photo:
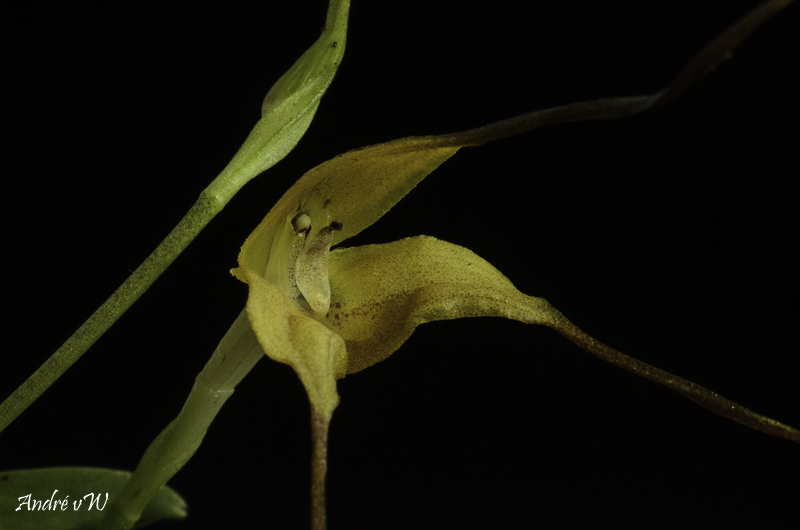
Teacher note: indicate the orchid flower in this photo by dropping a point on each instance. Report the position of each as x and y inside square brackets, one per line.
[332, 313]
[329, 312]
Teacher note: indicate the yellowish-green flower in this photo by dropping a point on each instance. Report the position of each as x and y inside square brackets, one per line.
[330, 313]
[327, 313]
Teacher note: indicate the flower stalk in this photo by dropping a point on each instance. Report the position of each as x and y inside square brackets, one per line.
[287, 112]
[319, 468]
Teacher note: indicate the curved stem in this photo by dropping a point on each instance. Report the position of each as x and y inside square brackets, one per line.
[278, 131]
[131, 289]
[602, 109]
[699, 394]
[235, 356]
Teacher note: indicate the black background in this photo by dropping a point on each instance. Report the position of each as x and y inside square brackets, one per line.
[671, 237]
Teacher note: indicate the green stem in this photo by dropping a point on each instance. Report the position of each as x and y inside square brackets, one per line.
[235, 356]
[289, 109]
[140, 281]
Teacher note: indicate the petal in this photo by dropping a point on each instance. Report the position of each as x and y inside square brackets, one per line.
[357, 188]
[316, 353]
[354, 189]
[380, 293]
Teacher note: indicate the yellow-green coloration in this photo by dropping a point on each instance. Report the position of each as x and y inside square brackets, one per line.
[289, 106]
[316, 353]
[327, 316]
[329, 313]
[287, 112]
[312, 272]
[378, 294]
[354, 189]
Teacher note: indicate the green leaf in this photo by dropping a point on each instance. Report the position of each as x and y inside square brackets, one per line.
[58, 498]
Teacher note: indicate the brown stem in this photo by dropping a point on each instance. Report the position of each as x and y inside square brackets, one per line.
[319, 466]
[701, 64]
[699, 394]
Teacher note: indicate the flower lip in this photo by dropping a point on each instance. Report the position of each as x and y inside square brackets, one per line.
[311, 269]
